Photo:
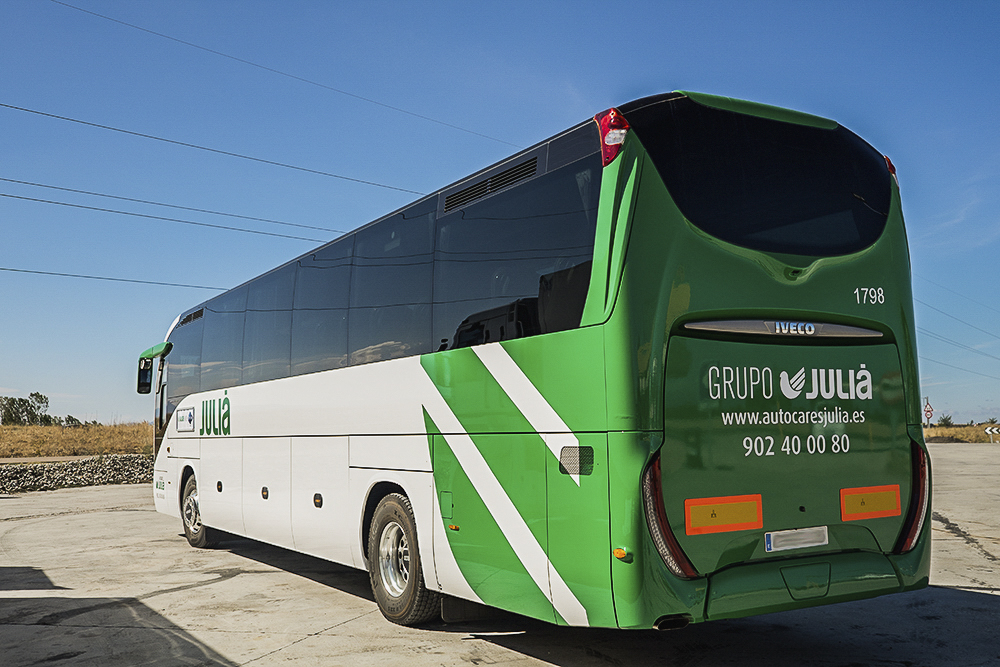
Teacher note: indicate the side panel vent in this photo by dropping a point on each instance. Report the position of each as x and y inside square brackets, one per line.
[492, 184]
[191, 317]
[576, 460]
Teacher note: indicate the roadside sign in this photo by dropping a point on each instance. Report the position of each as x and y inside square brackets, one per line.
[993, 430]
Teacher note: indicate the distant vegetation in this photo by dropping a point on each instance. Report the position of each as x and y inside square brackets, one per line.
[87, 439]
[33, 411]
[961, 433]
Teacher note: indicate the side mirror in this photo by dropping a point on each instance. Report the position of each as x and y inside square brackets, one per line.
[145, 382]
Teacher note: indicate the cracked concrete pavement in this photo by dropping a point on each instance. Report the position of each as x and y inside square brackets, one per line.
[95, 577]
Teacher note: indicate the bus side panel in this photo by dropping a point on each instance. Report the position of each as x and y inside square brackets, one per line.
[320, 526]
[166, 480]
[267, 490]
[492, 494]
[579, 549]
[542, 384]
[220, 484]
[393, 452]
[418, 487]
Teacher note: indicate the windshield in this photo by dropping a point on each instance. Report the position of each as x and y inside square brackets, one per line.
[765, 184]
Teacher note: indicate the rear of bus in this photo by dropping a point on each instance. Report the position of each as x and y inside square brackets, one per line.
[761, 361]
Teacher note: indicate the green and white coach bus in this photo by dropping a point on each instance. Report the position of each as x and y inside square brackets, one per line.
[657, 369]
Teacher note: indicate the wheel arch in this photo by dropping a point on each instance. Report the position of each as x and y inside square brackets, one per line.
[187, 472]
[376, 493]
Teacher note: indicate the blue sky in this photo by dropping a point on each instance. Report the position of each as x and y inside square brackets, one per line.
[915, 79]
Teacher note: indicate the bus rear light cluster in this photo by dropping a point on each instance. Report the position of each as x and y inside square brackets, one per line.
[919, 498]
[892, 169]
[614, 128]
[656, 518]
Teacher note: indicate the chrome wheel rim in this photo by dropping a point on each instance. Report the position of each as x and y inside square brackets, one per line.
[192, 516]
[393, 559]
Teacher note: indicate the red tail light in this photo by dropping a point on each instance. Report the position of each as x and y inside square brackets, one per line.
[888, 163]
[656, 518]
[613, 128]
[892, 169]
[919, 497]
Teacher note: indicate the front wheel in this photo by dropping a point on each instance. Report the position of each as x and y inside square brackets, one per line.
[198, 534]
[394, 565]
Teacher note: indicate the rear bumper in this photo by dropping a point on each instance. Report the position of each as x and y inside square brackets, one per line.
[761, 588]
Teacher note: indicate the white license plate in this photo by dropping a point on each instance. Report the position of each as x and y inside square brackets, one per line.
[800, 538]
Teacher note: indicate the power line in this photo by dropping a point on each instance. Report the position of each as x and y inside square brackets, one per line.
[286, 74]
[988, 333]
[992, 377]
[955, 343]
[947, 289]
[211, 150]
[117, 280]
[159, 217]
[183, 208]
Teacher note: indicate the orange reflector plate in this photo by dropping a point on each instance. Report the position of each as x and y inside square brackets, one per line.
[869, 502]
[723, 514]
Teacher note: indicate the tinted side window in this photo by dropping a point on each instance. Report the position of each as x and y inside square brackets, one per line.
[517, 263]
[390, 300]
[184, 360]
[319, 320]
[268, 332]
[222, 347]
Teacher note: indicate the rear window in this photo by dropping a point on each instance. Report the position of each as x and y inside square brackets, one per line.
[765, 184]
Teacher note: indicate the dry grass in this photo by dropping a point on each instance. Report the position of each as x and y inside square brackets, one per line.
[960, 433]
[25, 441]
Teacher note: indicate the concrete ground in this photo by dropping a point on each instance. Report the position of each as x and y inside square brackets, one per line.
[95, 577]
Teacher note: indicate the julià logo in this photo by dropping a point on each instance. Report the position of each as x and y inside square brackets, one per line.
[791, 388]
[215, 418]
[828, 382]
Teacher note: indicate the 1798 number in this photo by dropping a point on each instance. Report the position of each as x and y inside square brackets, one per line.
[868, 295]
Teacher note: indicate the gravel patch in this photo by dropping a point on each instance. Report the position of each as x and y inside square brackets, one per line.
[92, 471]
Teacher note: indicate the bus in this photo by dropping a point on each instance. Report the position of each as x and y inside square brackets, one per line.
[657, 369]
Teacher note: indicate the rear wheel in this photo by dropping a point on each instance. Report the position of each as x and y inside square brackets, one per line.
[394, 565]
[198, 534]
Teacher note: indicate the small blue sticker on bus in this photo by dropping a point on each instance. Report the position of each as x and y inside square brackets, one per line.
[185, 420]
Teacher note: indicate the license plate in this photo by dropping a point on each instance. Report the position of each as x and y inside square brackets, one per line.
[800, 538]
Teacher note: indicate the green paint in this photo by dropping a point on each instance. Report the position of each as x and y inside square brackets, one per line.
[489, 564]
[632, 382]
[761, 110]
[161, 350]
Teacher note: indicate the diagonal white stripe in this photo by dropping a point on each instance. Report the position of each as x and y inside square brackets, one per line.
[526, 397]
[503, 511]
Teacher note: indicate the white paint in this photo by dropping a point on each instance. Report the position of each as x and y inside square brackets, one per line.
[526, 397]
[450, 579]
[391, 452]
[503, 511]
[319, 465]
[267, 463]
[386, 399]
[222, 461]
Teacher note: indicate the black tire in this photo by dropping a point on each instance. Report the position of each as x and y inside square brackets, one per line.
[198, 535]
[394, 565]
